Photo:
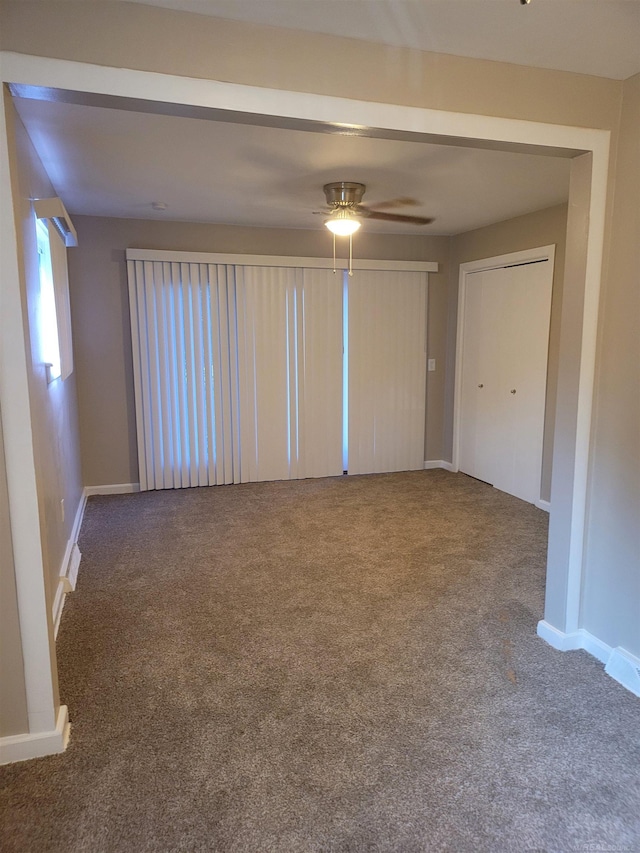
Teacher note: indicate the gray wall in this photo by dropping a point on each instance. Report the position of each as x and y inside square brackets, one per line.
[13, 697]
[56, 445]
[102, 337]
[611, 601]
[541, 228]
[54, 406]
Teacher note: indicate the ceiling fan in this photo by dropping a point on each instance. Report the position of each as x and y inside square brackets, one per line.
[345, 208]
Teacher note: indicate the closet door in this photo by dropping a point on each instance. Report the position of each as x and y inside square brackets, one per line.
[525, 379]
[504, 369]
[387, 371]
[486, 322]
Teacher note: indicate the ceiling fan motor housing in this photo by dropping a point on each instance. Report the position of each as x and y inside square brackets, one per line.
[344, 193]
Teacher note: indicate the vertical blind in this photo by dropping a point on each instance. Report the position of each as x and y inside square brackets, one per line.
[239, 371]
[182, 371]
[319, 378]
[387, 371]
[289, 339]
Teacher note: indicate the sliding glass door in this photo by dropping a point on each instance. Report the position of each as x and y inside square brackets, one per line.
[262, 372]
[289, 341]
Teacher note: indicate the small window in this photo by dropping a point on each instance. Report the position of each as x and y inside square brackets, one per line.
[55, 232]
[48, 320]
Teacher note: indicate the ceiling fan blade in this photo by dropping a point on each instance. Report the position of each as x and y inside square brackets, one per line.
[397, 217]
[401, 201]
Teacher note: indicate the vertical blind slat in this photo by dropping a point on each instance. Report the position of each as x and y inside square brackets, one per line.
[235, 473]
[165, 480]
[174, 479]
[209, 407]
[189, 468]
[137, 355]
[216, 462]
[222, 381]
[200, 377]
[147, 345]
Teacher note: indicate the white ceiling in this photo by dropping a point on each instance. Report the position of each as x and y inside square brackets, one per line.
[600, 37]
[110, 162]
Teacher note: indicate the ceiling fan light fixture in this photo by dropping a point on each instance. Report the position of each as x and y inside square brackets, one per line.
[342, 223]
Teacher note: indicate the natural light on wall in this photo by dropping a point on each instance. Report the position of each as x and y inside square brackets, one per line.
[49, 341]
[55, 232]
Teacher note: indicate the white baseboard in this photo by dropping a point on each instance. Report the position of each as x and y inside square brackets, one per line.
[438, 463]
[69, 567]
[545, 505]
[625, 668]
[113, 489]
[579, 639]
[619, 663]
[23, 747]
[71, 561]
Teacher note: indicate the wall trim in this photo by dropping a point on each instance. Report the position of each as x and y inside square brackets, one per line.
[620, 664]
[68, 575]
[66, 583]
[625, 668]
[579, 639]
[113, 489]
[438, 463]
[545, 505]
[69, 567]
[38, 744]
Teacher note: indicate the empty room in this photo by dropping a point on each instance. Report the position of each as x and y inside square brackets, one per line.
[320, 419]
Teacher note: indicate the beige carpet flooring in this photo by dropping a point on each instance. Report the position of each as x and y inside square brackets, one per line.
[346, 664]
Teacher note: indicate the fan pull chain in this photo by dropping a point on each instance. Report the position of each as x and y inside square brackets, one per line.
[334, 254]
[350, 254]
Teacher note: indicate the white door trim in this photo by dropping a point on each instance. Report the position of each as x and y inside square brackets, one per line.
[542, 253]
[564, 577]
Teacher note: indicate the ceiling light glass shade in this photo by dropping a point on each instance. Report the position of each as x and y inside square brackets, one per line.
[342, 223]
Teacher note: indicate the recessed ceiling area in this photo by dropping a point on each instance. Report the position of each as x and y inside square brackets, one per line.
[112, 162]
